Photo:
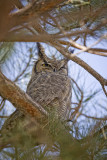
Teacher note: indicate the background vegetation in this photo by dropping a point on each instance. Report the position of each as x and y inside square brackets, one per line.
[66, 28]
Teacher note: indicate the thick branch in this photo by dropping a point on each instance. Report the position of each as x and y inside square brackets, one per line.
[24, 15]
[37, 8]
[77, 60]
[39, 38]
[19, 99]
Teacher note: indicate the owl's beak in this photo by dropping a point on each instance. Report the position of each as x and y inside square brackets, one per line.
[54, 70]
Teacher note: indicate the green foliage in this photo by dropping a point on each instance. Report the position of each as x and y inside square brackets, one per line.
[6, 51]
[84, 136]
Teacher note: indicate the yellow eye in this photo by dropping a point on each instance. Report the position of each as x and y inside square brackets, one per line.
[46, 65]
[43, 65]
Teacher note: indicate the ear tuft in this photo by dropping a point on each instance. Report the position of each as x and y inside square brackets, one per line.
[41, 51]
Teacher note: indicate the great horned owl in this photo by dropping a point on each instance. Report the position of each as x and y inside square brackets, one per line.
[49, 86]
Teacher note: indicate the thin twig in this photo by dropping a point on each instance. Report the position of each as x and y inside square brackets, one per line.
[76, 113]
[23, 71]
[4, 116]
[89, 49]
[2, 104]
[96, 118]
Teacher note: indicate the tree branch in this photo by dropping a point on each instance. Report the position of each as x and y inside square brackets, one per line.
[97, 51]
[24, 70]
[92, 117]
[19, 99]
[77, 60]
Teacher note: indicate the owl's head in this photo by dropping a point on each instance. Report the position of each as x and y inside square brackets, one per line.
[45, 64]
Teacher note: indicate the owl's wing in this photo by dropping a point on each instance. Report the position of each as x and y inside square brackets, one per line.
[50, 90]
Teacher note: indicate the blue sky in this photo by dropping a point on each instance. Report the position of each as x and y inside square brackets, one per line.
[91, 84]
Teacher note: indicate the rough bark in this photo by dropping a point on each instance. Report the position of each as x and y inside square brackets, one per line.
[11, 92]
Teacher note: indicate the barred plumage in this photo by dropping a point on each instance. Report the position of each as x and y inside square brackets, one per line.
[49, 86]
